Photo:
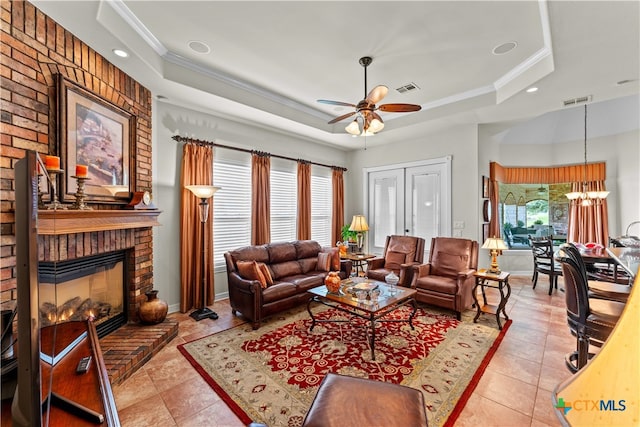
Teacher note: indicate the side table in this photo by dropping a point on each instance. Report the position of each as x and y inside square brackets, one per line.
[500, 281]
[358, 260]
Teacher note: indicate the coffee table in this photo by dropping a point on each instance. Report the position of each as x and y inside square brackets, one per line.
[388, 301]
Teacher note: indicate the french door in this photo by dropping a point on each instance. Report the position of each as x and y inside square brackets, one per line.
[409, 199]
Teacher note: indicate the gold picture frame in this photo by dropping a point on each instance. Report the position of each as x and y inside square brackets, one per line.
[94, 132]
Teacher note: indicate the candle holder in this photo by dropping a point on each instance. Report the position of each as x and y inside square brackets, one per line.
[53, 179]
[80, 196]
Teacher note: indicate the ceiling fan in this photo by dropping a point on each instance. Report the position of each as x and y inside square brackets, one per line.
[367, 122]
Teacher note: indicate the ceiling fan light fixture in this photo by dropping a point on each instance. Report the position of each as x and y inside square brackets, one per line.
[353, 128]
[375, 126]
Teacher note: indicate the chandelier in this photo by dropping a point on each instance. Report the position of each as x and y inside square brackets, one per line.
[584, 197]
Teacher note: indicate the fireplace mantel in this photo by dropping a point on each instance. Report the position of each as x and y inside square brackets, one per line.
[59, 222]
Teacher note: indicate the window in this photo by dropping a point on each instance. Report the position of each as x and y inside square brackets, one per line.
[232, 204]
[533, 210]
[321, 205]
[284, 194]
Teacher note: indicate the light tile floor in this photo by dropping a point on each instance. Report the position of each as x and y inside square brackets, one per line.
[515, 390]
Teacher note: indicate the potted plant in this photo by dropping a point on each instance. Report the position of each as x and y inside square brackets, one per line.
[348, 235]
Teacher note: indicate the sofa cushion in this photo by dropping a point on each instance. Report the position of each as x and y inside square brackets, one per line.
[393, 260]
[445, 264]
[264, 269]
[324, 261]
[335, 257]
[249, 270]
[306, 248]
[284, 269]
[278, 291]
[308, 264]
[251, 253]
[281, 252]
[308, 281]
[439, 284]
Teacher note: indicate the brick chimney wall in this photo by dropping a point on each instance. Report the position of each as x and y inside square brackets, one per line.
[34, 49]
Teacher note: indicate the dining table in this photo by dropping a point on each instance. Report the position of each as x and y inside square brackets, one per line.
[627, 258]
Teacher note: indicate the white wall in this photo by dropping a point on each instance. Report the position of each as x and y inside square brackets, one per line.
[170, 120]
[459, 142]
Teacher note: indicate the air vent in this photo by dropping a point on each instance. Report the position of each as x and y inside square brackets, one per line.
[576, 101]
[408, 87]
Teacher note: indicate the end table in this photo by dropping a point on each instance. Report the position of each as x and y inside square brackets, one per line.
[500, 281]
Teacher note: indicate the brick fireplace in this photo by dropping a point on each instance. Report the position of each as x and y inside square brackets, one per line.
[73, 234]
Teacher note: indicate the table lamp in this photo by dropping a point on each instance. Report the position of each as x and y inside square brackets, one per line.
[494, 244]
[359, 225]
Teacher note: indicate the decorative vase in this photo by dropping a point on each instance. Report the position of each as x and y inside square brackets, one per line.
[392, 280]
[154, 310]
[332, 282]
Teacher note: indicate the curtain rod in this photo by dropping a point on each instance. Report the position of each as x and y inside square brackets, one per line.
[179, 138]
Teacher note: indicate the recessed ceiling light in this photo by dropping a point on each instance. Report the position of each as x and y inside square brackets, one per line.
[121, 53]
[161, 97]
[504, 48]
[532, 89]
[625, 81]
[199, 47]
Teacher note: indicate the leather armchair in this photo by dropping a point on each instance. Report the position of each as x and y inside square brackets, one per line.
[447, 279]
[400, 254]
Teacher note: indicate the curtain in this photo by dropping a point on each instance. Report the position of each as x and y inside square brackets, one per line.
[197, 168]
[260, 199]
[337, 214]
[588, 224]
[304, 201]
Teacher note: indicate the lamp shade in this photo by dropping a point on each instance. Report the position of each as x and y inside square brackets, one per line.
[359, 223]
[495, 243]
[353, 128]
[202, 191]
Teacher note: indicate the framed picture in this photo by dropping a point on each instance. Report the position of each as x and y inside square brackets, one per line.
[485, 187]
[95, 133]
[485, 232]
[486, 210]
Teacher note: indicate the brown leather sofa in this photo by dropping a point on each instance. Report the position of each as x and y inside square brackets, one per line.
[447, 279]
[400, 254]
[293, 267]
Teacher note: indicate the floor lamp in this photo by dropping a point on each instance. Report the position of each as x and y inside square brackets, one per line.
[204, 193]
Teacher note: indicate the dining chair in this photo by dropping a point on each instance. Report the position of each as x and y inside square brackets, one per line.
[590, 320]
[543, 261]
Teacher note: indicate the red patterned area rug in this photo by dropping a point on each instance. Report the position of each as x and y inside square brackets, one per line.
[271, 375]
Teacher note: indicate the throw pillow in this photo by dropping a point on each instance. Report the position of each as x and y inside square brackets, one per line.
[324, 261]
[449, 264]
[393, 260]
[266, 273]
[249, 270]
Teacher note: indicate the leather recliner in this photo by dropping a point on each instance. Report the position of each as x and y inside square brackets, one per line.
[400, 254]
[447, 279]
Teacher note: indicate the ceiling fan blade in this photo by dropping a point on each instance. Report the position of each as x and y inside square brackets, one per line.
[376, 94]
[344, 116]
[399, 108]
[326, 101]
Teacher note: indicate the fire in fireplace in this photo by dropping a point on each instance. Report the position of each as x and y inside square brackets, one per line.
[84, 288]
